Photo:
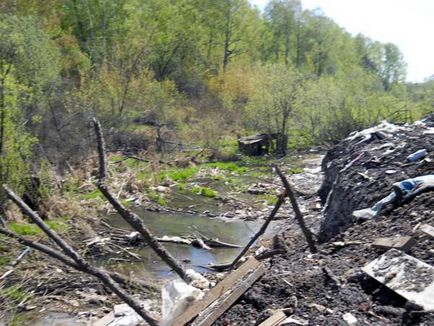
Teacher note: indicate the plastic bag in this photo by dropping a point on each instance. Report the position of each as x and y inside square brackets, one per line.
[177, 296]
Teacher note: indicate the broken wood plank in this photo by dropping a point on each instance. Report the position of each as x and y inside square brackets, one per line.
[217, 291]
[274, 320]
[406, 275]
[401, 243]
[106, 320]
[208, 316]
[427, 229]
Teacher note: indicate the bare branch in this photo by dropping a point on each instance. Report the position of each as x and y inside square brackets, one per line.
[82, 264]
[129, 216]
[280, 201]
[121, 279]
[297, 212]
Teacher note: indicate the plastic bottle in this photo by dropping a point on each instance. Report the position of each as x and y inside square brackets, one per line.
[417, 155]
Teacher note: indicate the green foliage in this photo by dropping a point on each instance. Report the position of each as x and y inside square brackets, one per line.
[269, 199]
[94, 194]
[33, 229]
[4, 260]
[15, 293]
[204, 191]
[178, 174]
[156, 197]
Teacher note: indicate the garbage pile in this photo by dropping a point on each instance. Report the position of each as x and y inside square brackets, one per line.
[374, 269]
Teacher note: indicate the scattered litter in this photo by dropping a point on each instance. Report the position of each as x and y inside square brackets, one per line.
[177, 296]
[294, 320]
[401, 190]
[406, 275]
[427, 229]
[349, 318]
[417, 155]
[401, 243]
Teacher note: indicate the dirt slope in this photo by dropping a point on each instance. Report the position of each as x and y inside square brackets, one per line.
[321, 288]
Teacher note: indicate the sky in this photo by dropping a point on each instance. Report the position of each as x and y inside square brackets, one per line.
[406, 23]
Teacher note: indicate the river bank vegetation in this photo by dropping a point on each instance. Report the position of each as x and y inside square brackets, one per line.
[164, 75]
[174, 84]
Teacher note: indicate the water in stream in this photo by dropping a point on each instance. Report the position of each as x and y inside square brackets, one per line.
[182, 224]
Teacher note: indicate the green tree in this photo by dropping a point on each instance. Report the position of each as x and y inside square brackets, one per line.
[273, 102]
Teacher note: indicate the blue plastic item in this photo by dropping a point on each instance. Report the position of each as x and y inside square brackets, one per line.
[417, 155]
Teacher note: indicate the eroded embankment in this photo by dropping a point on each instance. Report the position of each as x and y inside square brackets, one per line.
[361, 170]
[327, 287]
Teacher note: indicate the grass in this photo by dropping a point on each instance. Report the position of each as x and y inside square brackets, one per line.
[269, 199]
[178, 174]
[181, 186]
[4, 260]
[32, 229]
[204, 191]
[15, 293]
[156, 197]
[95, 194]
[228, 166]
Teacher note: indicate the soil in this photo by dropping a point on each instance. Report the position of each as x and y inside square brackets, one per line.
[320, 288]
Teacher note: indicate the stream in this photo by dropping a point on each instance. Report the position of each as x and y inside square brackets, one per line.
[182, 224]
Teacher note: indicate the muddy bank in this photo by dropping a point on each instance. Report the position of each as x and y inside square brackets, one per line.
[322, 289]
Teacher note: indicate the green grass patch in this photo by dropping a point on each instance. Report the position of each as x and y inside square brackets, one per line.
[33, 229]
[95, 194]
[25, 229]
[178, 174]
[204, 191]
[181, 186]
[4, 260]
[269, 199]
[295, 170]
[15, 293]
[20, 319]
[228, 166]
[156, 197]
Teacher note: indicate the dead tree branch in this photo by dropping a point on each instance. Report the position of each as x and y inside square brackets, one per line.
[297, 212]
[83, 265]
[119, 278]
[280, 201]
[129, 216]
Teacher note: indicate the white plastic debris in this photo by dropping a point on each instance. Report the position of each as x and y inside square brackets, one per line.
[384, 127]
[198, 281]
[350, 319]
[177, 296]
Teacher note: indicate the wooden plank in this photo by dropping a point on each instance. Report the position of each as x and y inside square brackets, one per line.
[208, 316]
[216, 291]
[274, 320]
[406, 275]
[427, 229]
[401, 243]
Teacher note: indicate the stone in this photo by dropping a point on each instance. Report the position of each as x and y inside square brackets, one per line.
[406, 275]
[402, 243]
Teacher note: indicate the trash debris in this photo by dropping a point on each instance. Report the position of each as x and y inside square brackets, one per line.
[177, 296]
[406, 275]
[400, 243]
[349, 318]
[417, 155]
[427, 229]
[401, 190]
